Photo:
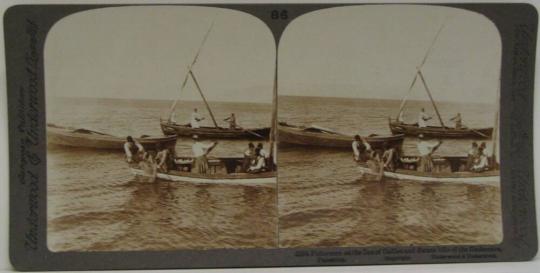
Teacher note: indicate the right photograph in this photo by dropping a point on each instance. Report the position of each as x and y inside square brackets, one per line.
[388, 128]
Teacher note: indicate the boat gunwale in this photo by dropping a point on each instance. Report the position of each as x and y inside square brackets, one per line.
[441, 129]
[68, 133]
[341, 137]
[490, 179]
[213, 129]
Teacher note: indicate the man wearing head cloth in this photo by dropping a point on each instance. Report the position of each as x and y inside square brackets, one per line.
[200, 150]
[426, 150]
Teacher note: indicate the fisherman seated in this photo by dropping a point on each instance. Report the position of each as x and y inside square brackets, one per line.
[471, 155]
[249, 155]
[264, 153]
[481, 162]
[258, 164]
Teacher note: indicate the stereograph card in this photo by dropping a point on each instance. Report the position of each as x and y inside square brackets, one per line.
[256, 135]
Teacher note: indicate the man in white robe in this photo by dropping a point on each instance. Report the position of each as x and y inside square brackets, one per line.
[200, 150]
[422, 118]
[195, 118]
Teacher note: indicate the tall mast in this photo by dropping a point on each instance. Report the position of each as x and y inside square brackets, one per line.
[407, 96]
[274, 128]
[202, 96]
[173, 106]
[431, 98]
[418, 68]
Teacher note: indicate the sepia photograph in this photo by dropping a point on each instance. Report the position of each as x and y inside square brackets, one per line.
[214, 135]
[388, 128]
[160, 130]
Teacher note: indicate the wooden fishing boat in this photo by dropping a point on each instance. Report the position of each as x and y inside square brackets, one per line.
[322, 137]
[446, 169]
[399, 127]
[73, 137]
[214, 132]
[438, 131]
[221, 171]
[217, 132]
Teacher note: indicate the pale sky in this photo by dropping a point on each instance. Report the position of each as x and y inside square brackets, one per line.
[359, 51]
[373, 51]
[143, 52]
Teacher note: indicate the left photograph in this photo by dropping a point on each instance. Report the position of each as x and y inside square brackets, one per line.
[160, 130]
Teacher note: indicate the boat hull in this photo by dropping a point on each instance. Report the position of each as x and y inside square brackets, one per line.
[66, 137]
[265, 179]
[214, 133]
[488, 177]
[439, 132]
[296, 136]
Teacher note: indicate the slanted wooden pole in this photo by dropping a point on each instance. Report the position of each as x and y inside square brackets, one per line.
[202, 96]
[431, 98]
[173, 106]
[407, 96]
[418, 68]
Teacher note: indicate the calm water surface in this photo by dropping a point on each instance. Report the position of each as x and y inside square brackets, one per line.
[323, 202]
[95, 204]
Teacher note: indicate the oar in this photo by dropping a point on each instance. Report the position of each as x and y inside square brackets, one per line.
[479, 133]
[250, 132]
[210, 149]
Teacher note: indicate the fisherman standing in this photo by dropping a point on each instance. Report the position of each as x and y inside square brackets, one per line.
[426, 150]
[389, 157]
[200, 150]
[195, 118]
[133, 149]
[232, 121]
[457, 120]
[422, 118]
[164, 158]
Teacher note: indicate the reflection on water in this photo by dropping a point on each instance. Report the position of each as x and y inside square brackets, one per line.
[94, 203]
[102, 214]
[323, 203]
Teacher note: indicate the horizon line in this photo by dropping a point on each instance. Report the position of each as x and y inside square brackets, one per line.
[372, 98]
[151, 99]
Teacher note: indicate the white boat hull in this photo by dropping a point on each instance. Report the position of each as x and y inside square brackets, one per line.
[255, 181]
[488, 179]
